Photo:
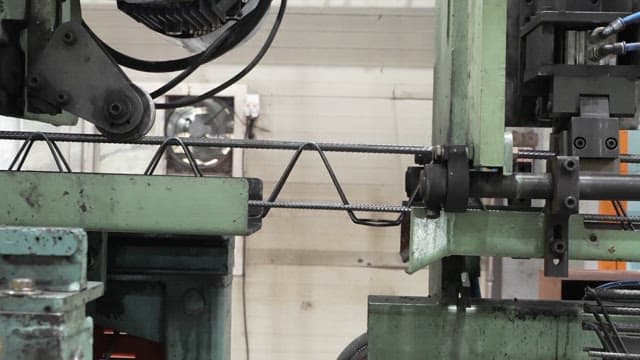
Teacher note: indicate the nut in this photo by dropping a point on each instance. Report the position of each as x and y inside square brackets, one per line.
[22, 287]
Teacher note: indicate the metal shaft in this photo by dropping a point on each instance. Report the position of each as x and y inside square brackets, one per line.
[592, 186]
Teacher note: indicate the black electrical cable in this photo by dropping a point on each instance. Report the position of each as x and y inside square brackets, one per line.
[150, 66]
[190, 69]
[188, 101]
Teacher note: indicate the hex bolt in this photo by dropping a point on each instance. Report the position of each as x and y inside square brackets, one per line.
[419, 159]
[570, 202]
[569, 165]
[63, 98]
[115, 109]
[33, 81]
[579, 143]
[558, 247]
[22, 287]
[69, 38]
[611, 143]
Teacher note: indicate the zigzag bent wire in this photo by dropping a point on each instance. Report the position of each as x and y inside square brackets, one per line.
[265, 206]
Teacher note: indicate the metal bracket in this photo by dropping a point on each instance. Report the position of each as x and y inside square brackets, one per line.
[73, 73]
[564, 203]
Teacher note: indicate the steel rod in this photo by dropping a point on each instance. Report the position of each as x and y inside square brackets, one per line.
[610, 355]
[611, 218]
[233, 143]
[616, 310]
[616, 294]
[544, 155]
[621, 327]
[519, 186]
[326, 206]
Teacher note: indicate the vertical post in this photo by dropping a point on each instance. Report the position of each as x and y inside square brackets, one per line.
[469, 90]
[470, 77]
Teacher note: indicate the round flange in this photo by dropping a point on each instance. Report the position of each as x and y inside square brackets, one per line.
[120, 112]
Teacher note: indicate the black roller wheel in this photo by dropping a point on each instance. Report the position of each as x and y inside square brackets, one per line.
[356, 350]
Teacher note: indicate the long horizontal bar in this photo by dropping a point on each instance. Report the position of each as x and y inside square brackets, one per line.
[524, 186]
[234, 143]
[545, 154]
[125, 203]
[516, 234]
[328, 206]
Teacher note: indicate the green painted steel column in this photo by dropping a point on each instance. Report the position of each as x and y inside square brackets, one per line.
[469, 79]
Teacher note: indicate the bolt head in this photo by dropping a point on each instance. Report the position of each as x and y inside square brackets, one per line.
[33, 81]
[22, 287]
[69, 38]
[117, 111]
[579, 143]
[558, 247]
[611, 143]
[569, 165]
[63, 98]
[570, 202]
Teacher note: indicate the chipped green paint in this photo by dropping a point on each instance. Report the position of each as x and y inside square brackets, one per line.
[469, 78]
[417, 329]
[125, 203]
[509, 234]
[50, 324]
[40, 241]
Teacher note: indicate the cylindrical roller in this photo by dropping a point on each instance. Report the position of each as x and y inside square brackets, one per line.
[592, 186]
[491, 185]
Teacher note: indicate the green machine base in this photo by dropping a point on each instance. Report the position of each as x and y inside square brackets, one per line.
[419, 329]
[43, 293]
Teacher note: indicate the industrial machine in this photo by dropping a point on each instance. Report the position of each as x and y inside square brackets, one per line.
[162, 244]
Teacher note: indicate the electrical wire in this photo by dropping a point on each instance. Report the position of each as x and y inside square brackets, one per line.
[188, 101]
[202, 59]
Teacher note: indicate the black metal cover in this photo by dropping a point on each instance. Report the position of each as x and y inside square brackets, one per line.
[543, 84]
[182, 18]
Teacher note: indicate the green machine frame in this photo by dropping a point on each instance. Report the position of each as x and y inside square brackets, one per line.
[469, 108]
[161, 245]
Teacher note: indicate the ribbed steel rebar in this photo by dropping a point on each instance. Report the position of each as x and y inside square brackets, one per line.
[610, 355]
[233, 143]
[326, 206]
